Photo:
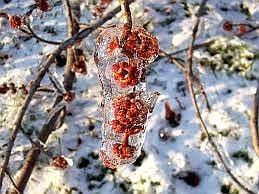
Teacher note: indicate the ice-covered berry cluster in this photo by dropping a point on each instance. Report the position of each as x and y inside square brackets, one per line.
[121, 55]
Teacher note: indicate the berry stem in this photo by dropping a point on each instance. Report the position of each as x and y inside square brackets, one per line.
[126, 9]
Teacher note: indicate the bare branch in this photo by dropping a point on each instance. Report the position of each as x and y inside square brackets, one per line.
[189, 75]
[195, 46]
[173, 59]
[11, 179]
[55, 83]
[254, 121]
[195, 78]
[72, 28]
[32, 156]
[33, 34]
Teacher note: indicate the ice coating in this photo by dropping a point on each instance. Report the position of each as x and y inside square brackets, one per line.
[121, 56]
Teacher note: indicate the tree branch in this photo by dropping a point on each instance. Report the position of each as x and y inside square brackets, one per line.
[189, 75]
[195, 79]
[196, 46]
[14, 184]
[32, 156]
[33, 34]
[72, 28]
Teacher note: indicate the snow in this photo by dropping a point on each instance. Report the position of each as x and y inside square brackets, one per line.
[229, 94]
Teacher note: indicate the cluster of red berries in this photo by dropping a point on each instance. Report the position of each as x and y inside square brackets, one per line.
[135, 45]
[60, 162]
[123, 151]
[130, 114]
[80, 62]
[140, 43]
[42, 5]
[229, 26]
[15, 21]
[126, 74]
[4, 88]
[100, 7]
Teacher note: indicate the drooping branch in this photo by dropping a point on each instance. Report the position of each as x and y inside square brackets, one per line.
[44, 65]
[32, 156]
[33, 34]
[204, 128]
[254, 122]
[20, 115]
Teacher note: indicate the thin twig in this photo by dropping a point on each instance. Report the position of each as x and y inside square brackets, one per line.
[13, 182]
[33, 34]
[196, 46]
[4, 15]
[45, 64]
[195, 104]
[55, 83]
[45, 89]
[70, 16]
[195, 78]
[254, 121]
[249, 31]
[173, 59]
[37, 144]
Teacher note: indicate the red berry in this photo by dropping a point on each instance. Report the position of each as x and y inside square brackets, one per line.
[60, 162]
[125, 74]
[69, 96]
[114, 44]
[123, 151]
[42, 5]
[15, 21]
[107, 161]
[140, 42]
[242, 28]
[105, 3]
[4, 88]
[228, 26]
[80, 67]
[130, 114]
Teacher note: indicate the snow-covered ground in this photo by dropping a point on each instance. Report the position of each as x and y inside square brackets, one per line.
[180, 162]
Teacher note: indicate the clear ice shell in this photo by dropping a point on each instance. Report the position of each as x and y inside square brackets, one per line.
[105, 56]
[110, 137]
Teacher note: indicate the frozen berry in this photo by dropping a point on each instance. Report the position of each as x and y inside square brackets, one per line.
[4, 88]
[60, 162]
[42, 5]
[125, 74]
[228, 26]
[242, 28]
[15, 21]
[123, 151]
[69, 96]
